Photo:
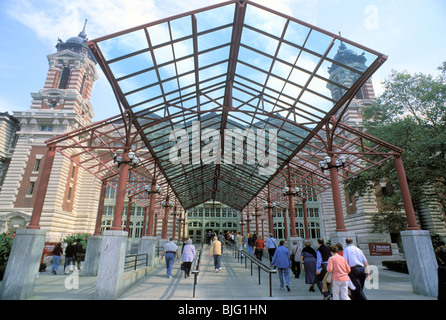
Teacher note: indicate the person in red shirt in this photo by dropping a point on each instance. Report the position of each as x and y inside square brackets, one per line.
[259, 246]
[340, 269]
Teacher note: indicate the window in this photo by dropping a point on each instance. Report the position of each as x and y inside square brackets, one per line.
[73, 171]
[37, 165]
[70, 190]
[31, 188]
[110, 193]
[83, 85]
[65, 78]
[46, 128]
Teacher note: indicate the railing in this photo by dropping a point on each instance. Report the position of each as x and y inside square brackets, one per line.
[136, 261]
[196, 266]
[240, 254]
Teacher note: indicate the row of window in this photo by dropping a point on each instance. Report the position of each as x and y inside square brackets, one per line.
[135, 210]
[196, 224]
[135, 230]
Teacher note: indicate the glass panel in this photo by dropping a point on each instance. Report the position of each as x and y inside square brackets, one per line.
[264, 20]
[181, 27]
[122, 45]
[213, 18]
[131, 65]
[259, 41]
[214, 39]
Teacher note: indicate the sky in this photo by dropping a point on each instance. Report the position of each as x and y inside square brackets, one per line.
[410, 32]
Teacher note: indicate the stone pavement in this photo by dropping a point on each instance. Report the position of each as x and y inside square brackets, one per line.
[232, 282]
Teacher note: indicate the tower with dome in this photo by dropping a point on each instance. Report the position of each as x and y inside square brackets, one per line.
[61, 106]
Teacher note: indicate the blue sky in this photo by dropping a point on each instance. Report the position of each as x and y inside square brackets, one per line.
[410, 32]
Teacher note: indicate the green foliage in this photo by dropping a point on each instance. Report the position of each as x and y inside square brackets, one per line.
[410, 114]
[81, 237]
[437, 240]
[6, 240]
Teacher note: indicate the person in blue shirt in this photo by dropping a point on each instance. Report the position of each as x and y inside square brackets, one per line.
[281, 260]
[323, 254]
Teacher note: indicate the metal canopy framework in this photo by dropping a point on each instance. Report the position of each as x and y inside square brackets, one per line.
[186, 83]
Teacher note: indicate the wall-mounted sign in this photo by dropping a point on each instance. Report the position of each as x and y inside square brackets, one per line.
[380, 249]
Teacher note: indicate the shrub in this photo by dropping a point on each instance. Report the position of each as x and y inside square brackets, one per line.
[6, 240]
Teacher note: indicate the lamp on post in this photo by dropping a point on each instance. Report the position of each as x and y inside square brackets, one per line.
[133, 160]
[149, 190]
[269, 206]
[327, 163]
[166, 204]
[293, 191]
[290, 192]
[331, 163]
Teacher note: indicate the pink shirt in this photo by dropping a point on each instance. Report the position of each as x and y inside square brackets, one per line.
[339, 266]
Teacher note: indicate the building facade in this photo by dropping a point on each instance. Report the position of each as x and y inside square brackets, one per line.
[62, 105]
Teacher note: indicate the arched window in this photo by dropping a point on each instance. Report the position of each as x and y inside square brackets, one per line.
[65, 78]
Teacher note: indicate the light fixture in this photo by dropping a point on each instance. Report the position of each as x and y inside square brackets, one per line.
[148, 188]
[287, 192]
[269, 206]
[326, 163]
[167, 204]
[133, 159]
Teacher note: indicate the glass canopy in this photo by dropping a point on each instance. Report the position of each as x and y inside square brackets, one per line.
[224, 97]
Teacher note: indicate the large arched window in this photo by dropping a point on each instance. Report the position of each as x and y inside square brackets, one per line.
[65, 78]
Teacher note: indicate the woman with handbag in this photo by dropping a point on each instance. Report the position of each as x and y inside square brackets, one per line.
[188, 256]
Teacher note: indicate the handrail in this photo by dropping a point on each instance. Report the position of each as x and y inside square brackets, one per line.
[196, 266]
[260, 265]
[136, 264]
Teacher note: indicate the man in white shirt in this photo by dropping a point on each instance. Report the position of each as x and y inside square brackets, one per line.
[357, 262]
[170, 249]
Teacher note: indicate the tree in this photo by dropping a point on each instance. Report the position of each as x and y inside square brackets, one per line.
[411, 114]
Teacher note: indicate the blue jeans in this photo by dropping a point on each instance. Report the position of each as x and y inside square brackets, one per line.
[217, 261]
[251, 250]
[56, 261]
[284, 272]
[170, 258]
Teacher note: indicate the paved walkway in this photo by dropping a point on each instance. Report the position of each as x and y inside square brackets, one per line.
[233, 282]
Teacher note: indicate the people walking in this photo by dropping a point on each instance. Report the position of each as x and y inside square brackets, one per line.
[259, 246]
[308, 262]
[281, 260]
[322, 256]
[295, 259]
[239, 241]
[215, 250]
[188, 256]
[357, 262]
[69, 256]
[78, 254]
[221, 238]
[251, 241]
[340, 270]
[270, 247]
[57, 252]
[170, 249]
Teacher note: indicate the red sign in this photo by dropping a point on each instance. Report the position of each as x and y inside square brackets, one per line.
[49, 247]
[380, 249]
